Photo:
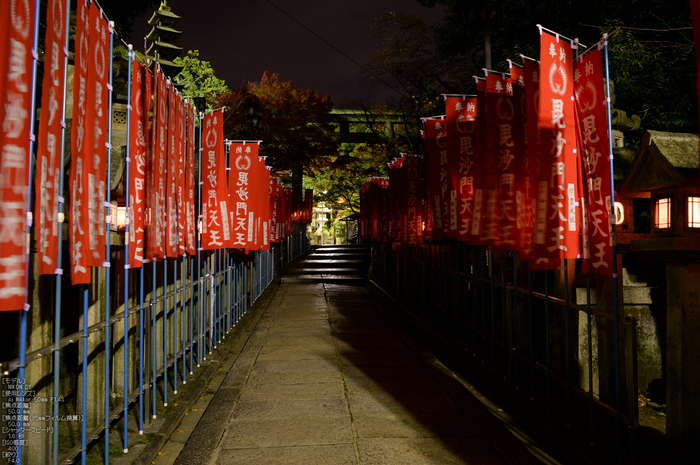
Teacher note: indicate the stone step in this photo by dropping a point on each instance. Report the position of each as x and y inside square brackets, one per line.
[322, 278]
[343, 271]
[311, 263]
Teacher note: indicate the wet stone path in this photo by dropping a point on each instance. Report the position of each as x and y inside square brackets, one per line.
[325, 378]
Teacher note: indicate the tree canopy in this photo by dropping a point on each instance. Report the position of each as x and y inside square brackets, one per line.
[294, 124]
[198, 78]
[652, 59]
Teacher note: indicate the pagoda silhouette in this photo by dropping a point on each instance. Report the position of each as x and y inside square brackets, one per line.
[163, 36]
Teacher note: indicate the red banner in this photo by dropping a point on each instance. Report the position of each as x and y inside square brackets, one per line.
[50, 139]
[531, 73]
[190, 182]
[523, 189]
[157, 227]
[172, 173]
[243, 187]
[216, 231]
[80, 268]
[181, 166]
[467, 132]
[274, 212]
[413, 226]
[96, 135]
[436, 169]
[16, 42]
[595, 147]
[478, 167]
[140, 104]
[556, 233]
[454, 108]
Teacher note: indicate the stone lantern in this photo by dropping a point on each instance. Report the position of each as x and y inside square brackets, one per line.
[667, 168]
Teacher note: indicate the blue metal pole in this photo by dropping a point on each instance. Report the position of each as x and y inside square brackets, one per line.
[532, 350]
[175, 327]
[615, 277]
[30, 177]
[165, 332]
[154, 357]
[566, 343]
[141, 352]
[108, 254]
[515, 318]
[199, 248]
[126, 261]
[192, 284]
[83, 435]
[59, 263]
[184, 319]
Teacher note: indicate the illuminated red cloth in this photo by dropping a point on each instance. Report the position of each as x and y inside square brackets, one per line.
[595, 155]
[141, 83]
[556, 232]
[96, 136]
[16, 41]
[80, 269]
[216, 231]
[50, 139]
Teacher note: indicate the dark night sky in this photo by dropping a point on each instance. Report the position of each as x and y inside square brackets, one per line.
[242, 39]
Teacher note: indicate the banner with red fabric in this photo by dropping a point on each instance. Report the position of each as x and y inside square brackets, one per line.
[396, 193]
[140, 104]
[556, 233]
[171, 174]
[80, 268]
[216, 226]
[260, 204]
[181, 121]
[531, 75]
[156, 237]
[96, 122]
[50, 139]
[461, 140]
[413, 226]
[16, 42]
[499, 216]
[190, 182]
[595, 148]
[245, 190]
[478, 167]
[274, 211]
[523, 190]
[436, 172]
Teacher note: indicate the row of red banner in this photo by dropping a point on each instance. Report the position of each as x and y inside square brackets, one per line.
[242, 207]
[523, 165]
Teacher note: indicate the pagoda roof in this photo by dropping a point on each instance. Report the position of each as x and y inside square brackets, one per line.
[169, 68]
[164, 49]
[164, 15]
[163, 31]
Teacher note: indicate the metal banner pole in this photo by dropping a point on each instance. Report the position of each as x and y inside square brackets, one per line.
[59, 263]
[615, 277]
[108, 254]
[30, 177]
[126, 259]
[165, 331]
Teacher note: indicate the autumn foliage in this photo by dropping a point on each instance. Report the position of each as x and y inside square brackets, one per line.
[294, 123]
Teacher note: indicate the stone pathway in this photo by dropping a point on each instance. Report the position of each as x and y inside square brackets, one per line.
[326, 379]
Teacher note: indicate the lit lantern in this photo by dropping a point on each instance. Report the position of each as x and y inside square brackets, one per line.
[662, 213]
[693, 217]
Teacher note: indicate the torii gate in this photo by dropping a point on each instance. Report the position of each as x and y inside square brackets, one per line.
[344, 118]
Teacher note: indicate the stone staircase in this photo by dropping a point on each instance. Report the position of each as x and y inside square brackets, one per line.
[338, 264]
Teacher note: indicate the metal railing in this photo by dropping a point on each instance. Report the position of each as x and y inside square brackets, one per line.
[527, 328]
[176, 313]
